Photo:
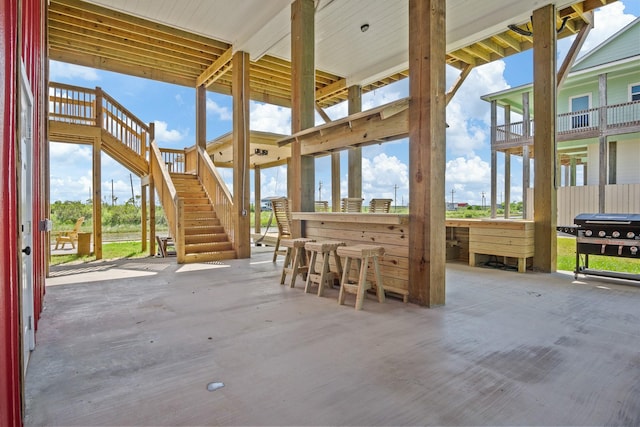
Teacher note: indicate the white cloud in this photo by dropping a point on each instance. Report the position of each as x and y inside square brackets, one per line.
[65, 71]
[179, 99]
[163, 134]
[223, 113]
[270, 118]
[469, 178]
[381, 174]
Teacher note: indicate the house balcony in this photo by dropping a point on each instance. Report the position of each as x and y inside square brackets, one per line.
[609, 120]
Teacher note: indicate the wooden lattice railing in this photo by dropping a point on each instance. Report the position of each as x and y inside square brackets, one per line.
[93, 107]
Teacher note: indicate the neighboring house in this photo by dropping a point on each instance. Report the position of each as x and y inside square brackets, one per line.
[598, 118]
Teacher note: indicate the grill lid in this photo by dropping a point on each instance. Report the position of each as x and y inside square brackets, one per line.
[607, 218]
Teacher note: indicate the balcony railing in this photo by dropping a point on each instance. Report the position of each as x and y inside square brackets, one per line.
[619, 118]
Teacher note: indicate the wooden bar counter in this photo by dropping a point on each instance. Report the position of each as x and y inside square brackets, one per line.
[469, 240]
[390, 231]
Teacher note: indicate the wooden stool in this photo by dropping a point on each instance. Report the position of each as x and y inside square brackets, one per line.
[361, 253]
[324, 277]
[295, 248]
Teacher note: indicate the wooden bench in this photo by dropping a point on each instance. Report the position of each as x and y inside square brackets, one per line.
[325, 277]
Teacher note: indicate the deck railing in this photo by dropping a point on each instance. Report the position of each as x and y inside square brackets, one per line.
[576, 124]
[93, 107]
[173, 159]
[218, 193]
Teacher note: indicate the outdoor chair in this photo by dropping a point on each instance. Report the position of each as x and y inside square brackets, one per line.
[380, 205]
[69, 236]
[282, 214]
[351, 204]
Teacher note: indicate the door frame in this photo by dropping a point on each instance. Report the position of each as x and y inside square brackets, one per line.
[24, 163]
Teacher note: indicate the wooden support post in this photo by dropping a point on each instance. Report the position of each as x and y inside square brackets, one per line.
[507, 163]
[526, 157]
[143, 214]
[257, 209]
[302, 190]
[335, 182]
[427, 152]
[152, 201]
[201, 117]
[507, 185]
[572, 172]
[97, 197]
[603, 146]
[152, 218]
[494, 158]
[544, 139]
[240, 90]
[354, 183]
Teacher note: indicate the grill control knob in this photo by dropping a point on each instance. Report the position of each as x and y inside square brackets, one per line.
[634, 250]
[602, 233]
[615, 234]
[631, 235]
[588, 233]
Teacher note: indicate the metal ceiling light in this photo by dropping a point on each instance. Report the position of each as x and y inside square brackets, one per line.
[364, 27]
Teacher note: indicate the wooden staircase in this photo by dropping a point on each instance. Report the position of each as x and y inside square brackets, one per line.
[204, 238]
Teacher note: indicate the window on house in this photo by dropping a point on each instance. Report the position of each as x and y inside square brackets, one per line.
[634, 92]
[580, 104]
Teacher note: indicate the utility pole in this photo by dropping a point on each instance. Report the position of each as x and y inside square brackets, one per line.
[453, 191]
[395, 197]
[133, 197]
[113, 200]
[483, 200]
[320, 191]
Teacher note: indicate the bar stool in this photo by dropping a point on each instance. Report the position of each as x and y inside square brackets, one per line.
[295, 249]
[361, 253]
[325, 277]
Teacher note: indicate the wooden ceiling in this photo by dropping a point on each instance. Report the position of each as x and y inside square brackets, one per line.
[91, 35]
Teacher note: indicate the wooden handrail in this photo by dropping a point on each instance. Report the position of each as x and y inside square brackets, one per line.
[218, 193]
[168, 195]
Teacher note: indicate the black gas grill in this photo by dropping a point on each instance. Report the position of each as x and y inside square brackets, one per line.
[616, 235]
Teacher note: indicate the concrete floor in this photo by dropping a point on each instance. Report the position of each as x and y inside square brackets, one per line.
[136, 342]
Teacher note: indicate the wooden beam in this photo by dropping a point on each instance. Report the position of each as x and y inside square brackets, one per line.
[97, 193]
[509, 41]
[201, 117]
[354, 156]
[526, 155]
[324, 115]
[241, 187]
[330, 89]
[257, 207]
[572, 54]
[427, 152]
[461, 78]
[302, 191]
[335, 182]
[152, 201]
[214, 71]
[494, 158]
[603, 147]
[544, 138]
[507, 164]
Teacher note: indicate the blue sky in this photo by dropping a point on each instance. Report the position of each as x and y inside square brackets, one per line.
[385, 167]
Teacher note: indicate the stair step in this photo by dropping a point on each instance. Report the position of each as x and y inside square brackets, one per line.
[205, 238]
[198, 208]
[190, 230]
[195, 201]
[201, 215]
[210, 256]
[194, 248]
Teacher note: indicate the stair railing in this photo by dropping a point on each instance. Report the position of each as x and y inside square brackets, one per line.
[173, 207]
[218, 193]
[122, 124]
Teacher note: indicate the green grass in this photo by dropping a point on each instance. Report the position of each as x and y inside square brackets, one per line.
[113, 250]
[567, 259]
